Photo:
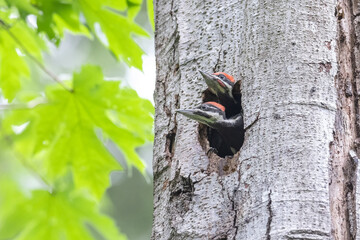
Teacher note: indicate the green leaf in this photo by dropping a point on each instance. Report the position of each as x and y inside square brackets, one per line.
[110, 20]
[16, 39]
[134, 8]
[29, 40]
[11, 193]
[150, 10]
[64, 133]
[3, 3]
[23, 5]
[120, 5]
[118, 30]
[10, 198]
[60, 215]
[12, 66]
[56, 17]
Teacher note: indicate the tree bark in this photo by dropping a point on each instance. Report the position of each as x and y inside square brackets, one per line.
[294, 177]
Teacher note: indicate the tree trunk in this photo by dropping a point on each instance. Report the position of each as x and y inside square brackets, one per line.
[295, 175]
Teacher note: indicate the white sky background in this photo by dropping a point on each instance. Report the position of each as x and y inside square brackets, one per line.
[144, 81]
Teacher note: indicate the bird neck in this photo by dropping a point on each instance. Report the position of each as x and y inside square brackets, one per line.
[232, 105]
[226, 99]
[232, 130]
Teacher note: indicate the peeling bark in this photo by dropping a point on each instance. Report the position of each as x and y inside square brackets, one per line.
[343, 168]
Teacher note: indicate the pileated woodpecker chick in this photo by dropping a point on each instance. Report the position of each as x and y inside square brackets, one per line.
[212, 114]
[222, 85]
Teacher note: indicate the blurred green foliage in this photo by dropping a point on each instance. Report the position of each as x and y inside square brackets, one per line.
[54, 166]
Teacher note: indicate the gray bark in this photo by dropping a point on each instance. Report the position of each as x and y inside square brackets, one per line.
[344, 192]
[277, 186]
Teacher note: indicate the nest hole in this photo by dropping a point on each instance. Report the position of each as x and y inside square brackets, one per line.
[223, 165]
[209, 138]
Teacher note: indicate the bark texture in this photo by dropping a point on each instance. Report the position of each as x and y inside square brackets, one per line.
[277, 187]
[289, 63]
[343, 165]
[348, 84]
[190, 36]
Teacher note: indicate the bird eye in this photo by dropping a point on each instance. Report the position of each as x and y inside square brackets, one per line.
[222, 77]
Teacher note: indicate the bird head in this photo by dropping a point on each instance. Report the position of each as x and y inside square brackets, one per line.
[219, 83]
[208, 113]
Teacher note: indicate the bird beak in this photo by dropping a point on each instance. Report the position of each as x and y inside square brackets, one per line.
[190, 113]
[206, 75]
[195, 114]
[209, 78]
[213, 82]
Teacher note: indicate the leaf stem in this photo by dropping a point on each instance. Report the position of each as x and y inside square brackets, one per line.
[29, 167]
[35, 173]
[37, 62]
[18, 106]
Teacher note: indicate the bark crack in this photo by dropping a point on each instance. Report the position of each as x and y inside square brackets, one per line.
[173, 71]
[234, 208]
[219, 54]
[270, 212]
[191, 60]
[181, 194]
[166, 100]
[306, 234]
[310, 104]
[343, 169]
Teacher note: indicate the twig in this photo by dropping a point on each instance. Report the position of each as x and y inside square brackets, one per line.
[40, 65]
[28, 105]
[35, 173]
[29, 167]
[251, 124]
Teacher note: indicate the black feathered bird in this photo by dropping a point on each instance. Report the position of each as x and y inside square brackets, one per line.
[213, 115]
[223, 86]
